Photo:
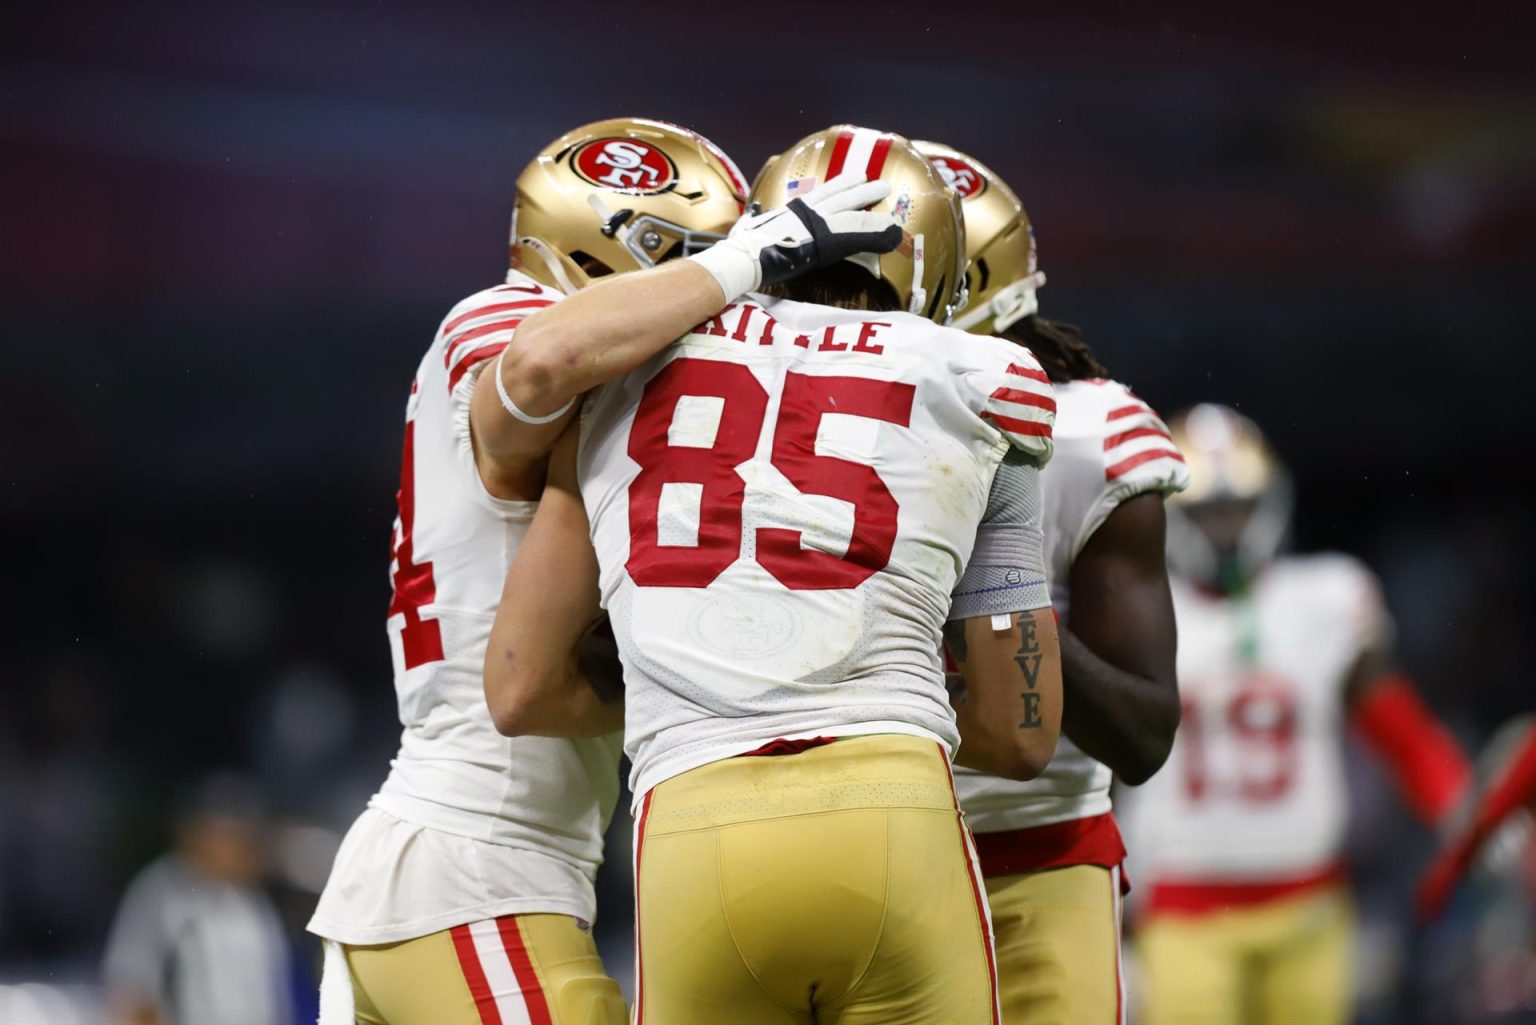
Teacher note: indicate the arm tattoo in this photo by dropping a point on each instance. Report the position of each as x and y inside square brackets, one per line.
[1029, 658]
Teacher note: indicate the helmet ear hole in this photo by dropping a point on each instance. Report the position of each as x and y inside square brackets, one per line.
[985, 275]
[590, 265]
[940, 296]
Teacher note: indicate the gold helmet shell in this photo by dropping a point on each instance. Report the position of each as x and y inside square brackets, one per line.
[1002, 269]
[620, 195]
[1229, 461]
[928, 275]
[1227, 455]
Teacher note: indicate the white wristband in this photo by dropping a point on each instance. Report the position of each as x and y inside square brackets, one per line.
[518, 414]
[735, 270]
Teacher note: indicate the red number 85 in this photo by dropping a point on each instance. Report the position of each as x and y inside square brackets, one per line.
[807, 397]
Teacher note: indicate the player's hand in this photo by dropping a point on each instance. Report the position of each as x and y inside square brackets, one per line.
[828, 225]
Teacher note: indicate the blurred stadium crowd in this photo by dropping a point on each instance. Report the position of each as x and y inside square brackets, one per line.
[231, 231]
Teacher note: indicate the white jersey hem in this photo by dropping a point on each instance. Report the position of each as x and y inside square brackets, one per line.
[373, 935]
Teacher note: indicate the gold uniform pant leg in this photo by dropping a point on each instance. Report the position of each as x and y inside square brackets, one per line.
[1058, 946]
[934, 961]
[1192, 971]
[742, 923]
[1306, 971]
[540, 968]
[833, 883]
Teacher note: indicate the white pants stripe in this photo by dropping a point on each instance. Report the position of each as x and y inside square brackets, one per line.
[498, 973]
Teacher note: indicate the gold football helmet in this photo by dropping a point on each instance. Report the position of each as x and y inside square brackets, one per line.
[1235, 516]
[1002, 271]
[620, 195]
[1227, 455]
[928, 275]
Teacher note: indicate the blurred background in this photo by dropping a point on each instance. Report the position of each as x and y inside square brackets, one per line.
[231, 230]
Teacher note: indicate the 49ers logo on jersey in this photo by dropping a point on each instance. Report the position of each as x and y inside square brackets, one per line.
[960, 176]
[625, 164]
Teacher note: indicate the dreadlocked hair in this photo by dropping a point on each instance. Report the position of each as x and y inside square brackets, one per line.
[1058, 346]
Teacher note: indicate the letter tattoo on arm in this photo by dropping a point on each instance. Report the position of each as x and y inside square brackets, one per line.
[1028, 658]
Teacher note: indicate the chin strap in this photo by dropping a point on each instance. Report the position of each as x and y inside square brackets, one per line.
[551, 263]
[919, 293]
[1008, 305]
[614, 224]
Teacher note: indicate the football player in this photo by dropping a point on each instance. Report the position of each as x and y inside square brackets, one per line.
[463, 894]
[1247, 916]
[1050, 850]
[781, 506]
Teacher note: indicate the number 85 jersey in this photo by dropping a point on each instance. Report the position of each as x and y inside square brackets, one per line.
[781, 503]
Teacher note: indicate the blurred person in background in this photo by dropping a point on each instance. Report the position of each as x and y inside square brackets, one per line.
[464, 893]
[1247, 915]
[1497, 829]
[800, 855]
[1050, 850]
[196, 940]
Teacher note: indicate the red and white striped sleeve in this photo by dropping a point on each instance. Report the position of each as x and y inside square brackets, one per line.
[478, 328]
[1020, 403]
[1115, 447]
[1139, 453]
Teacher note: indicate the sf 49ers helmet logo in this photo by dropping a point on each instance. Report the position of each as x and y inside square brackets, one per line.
[628, 165]
[960, 176]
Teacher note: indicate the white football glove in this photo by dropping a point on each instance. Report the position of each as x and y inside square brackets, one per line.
[828, 225]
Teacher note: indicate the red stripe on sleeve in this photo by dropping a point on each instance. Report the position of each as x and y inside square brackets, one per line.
[469, 963]
[475, 333]
[522, 967]
[1028, 428]
[1134, 433]
[494, 308]
[1130, 463]
[1125, 411]
[469, 361]
[1033, 375]
[839, 154]
[877, 157]
[1025, 398]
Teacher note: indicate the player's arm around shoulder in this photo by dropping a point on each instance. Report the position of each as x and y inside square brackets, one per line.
[526, 398]
[551, 669]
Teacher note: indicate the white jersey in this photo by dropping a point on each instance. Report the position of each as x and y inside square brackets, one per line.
[781, 504]
[1110, 447]
[517, 824]
[1254, 790]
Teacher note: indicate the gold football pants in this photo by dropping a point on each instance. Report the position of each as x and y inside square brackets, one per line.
[1058, 946]
[1282, 962]
[835, 885]
[514, 970]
